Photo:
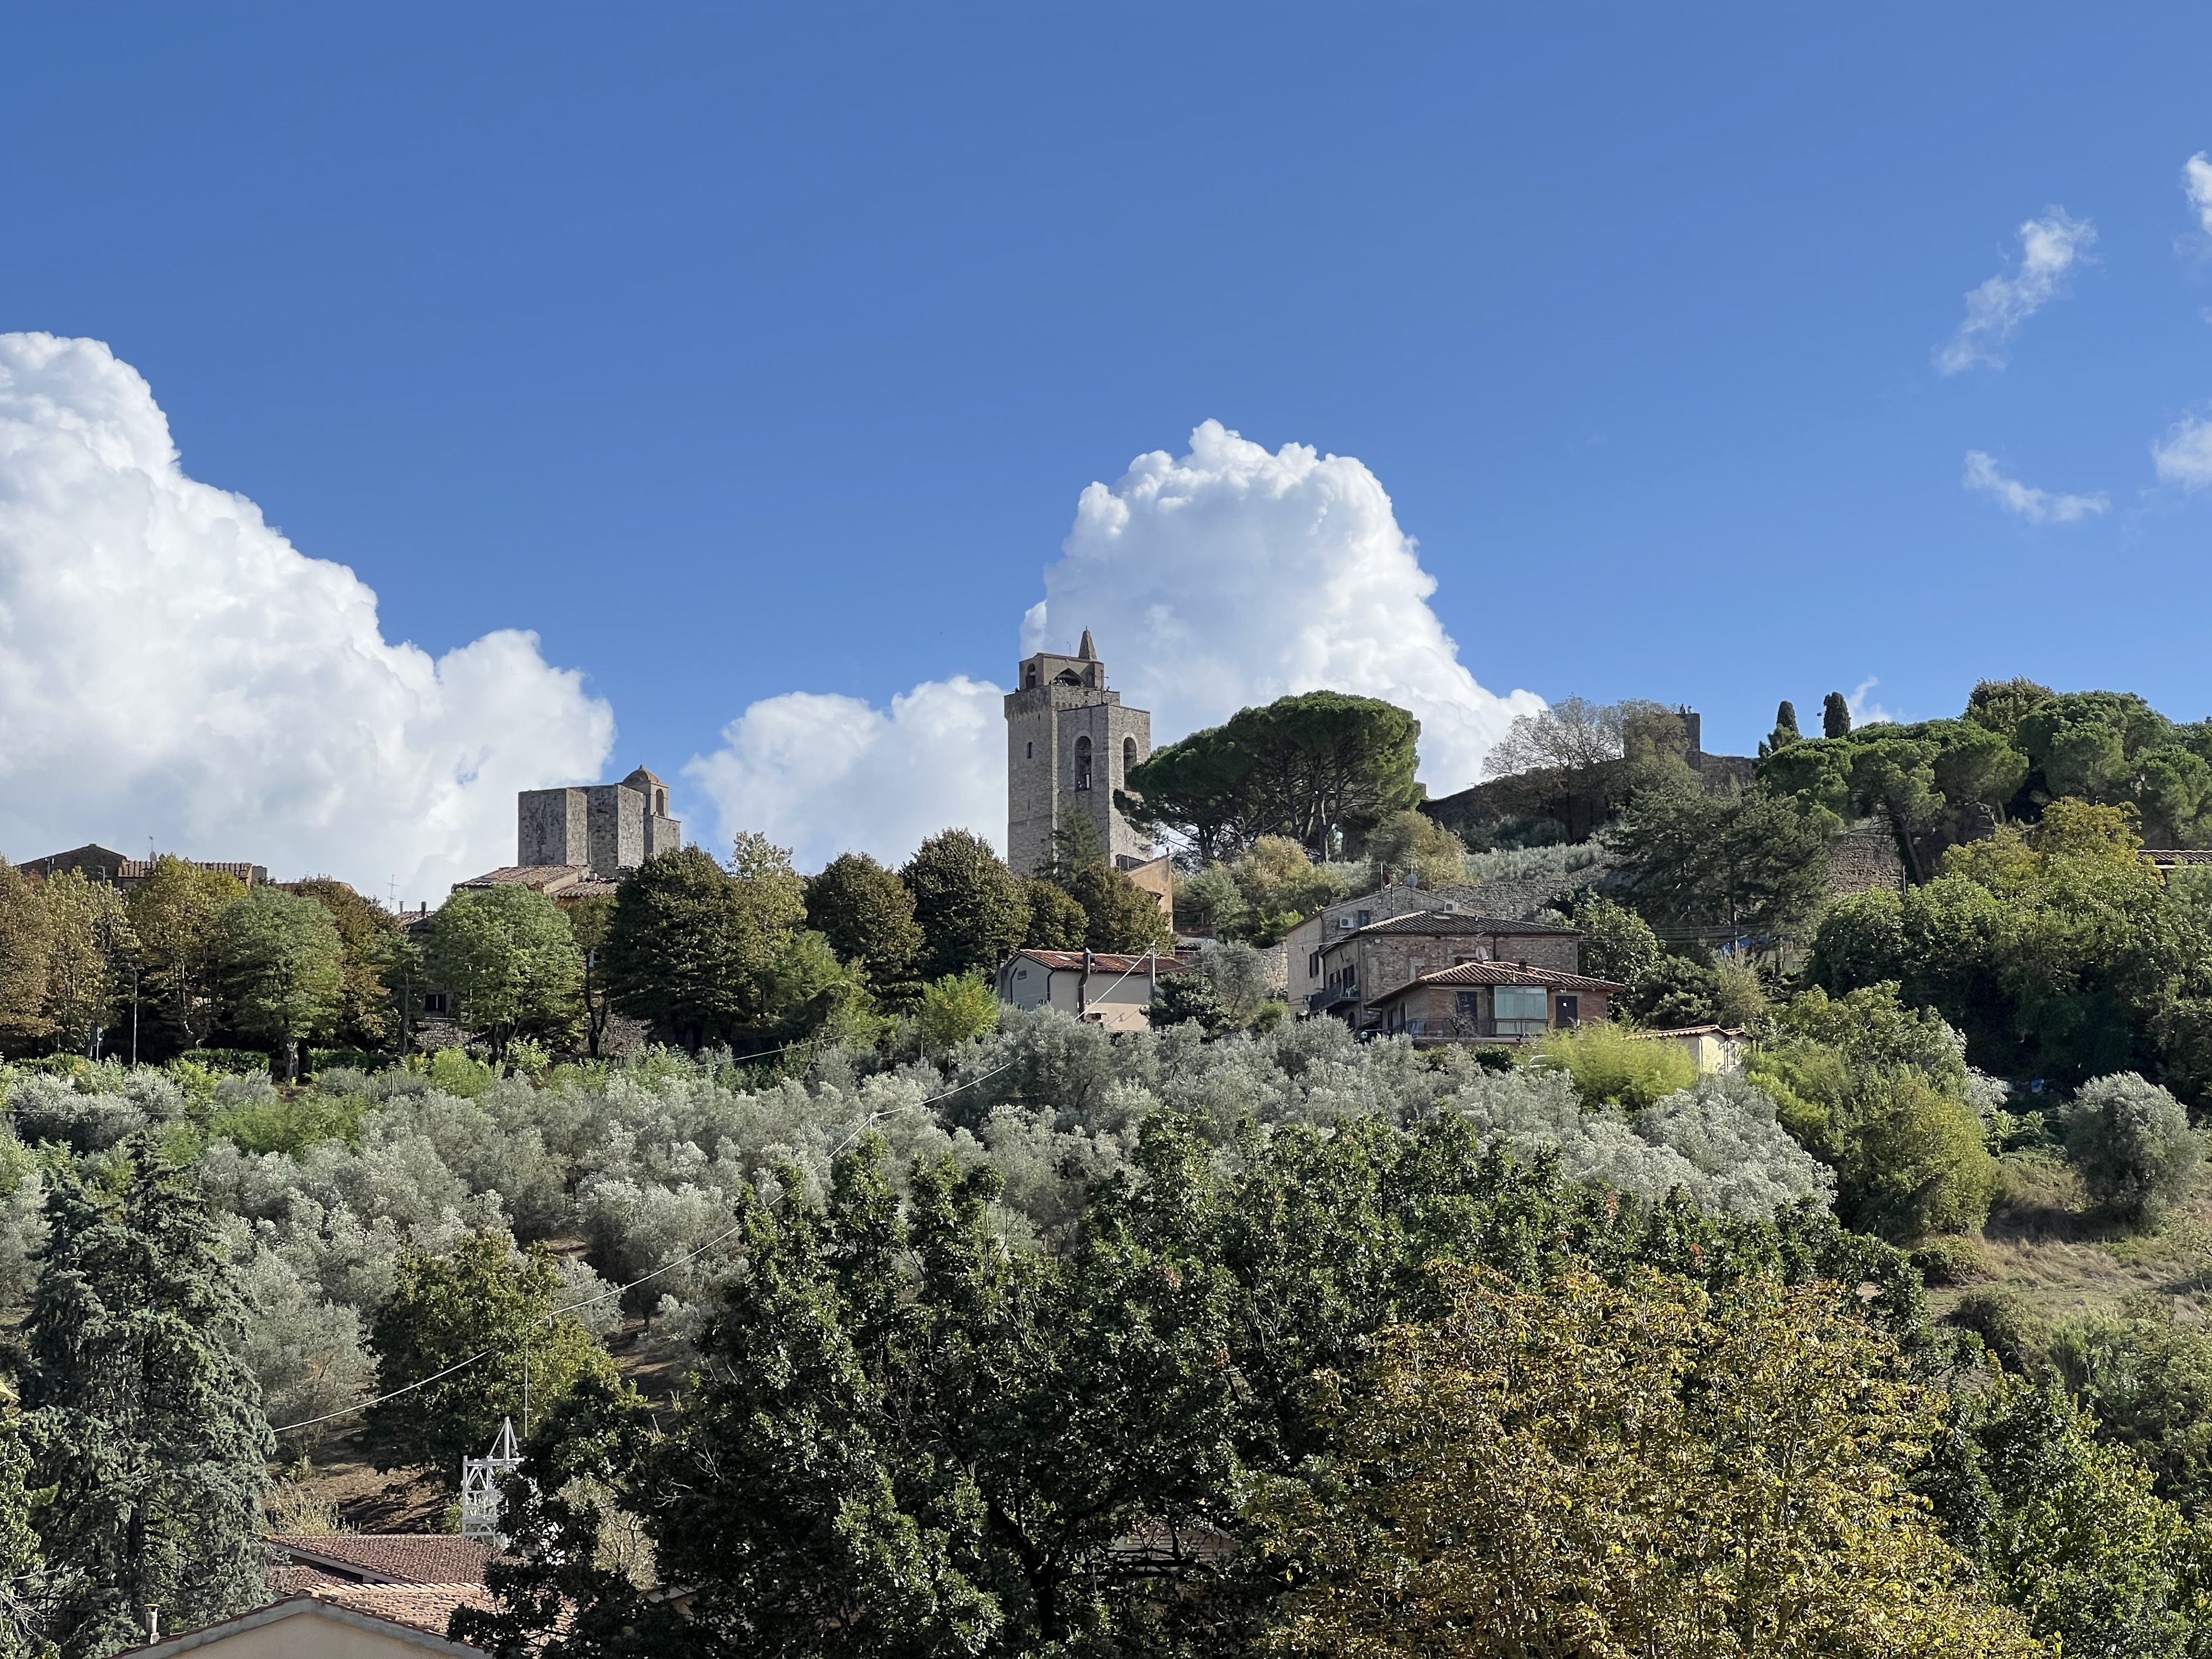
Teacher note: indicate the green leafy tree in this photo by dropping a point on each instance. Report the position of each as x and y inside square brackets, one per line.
[1200, 788]
[589, 920]
[1626, 1469]
[1326, 767]
[280, 962]
[925, 1438]
[810, 993]
[367, 933]
[1754, 867]
[90, 954]
[1056, 921]
[508, 957]
[685, 950]
[485, 1298]
[955, 1010]
[1835, 715]
[24, 1581]
[173, 914]
[1118, 914]
[971, 908]
[1413, 844]
[142, 1415]
[25, 946]
[2060, 1527]
[866, 913]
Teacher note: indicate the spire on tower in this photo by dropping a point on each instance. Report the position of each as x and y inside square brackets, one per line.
[1086, 652]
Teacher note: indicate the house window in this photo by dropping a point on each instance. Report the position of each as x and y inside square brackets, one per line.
[434, 1002]
[1518, 1010]
[1570, 1011]
[1351, 973]
[1469, 1005]
[1083, 763]
[1312, 966]
[1028, 751]
[1366, 916]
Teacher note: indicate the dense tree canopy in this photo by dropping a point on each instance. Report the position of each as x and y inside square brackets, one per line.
[971, 908]
[508, 958]
[281, 964]
[867, 914]
[141, 1416]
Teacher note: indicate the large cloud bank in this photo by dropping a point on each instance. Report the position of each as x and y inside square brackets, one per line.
[172, 666]
[1226, 576]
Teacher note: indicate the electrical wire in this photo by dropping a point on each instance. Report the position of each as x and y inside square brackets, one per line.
[666, 1267]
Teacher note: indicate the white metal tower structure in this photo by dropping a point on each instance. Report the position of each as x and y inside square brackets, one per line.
[480, 1494]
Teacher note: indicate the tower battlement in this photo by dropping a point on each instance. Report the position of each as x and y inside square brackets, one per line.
[1070, 745]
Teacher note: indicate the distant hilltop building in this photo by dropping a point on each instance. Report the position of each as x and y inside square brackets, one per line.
[571, 843]
[606, 826]
[1070, 745]
[97, 864]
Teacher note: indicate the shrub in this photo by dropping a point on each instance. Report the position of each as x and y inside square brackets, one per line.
[2017, 1336]
[450, 1071]
[279, 1123]
[2132, 1142]
[1954, 1260]
[1610, 1067]
[1911, 1158]
[957, 1009]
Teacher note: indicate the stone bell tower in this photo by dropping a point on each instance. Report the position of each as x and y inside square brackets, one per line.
[1070, 745]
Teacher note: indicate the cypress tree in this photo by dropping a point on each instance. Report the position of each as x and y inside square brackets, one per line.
[1785, 730]
[143, 1417]
[1835, 716]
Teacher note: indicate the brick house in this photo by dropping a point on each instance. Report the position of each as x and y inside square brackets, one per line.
[1355, 969]
[1491, 1002]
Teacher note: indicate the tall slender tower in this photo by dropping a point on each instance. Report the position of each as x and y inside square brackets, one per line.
[1069, 746]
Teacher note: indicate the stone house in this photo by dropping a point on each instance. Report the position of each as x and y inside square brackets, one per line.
[1304, 974]
[1100, 986]
[1357, 968]
[1491, 1002]
[606, 828]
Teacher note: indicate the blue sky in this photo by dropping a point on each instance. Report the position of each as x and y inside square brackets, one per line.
[738, 352]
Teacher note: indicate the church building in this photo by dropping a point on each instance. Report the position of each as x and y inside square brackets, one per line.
[1070, 745]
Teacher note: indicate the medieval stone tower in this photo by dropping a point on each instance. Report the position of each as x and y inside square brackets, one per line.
[1069, 746]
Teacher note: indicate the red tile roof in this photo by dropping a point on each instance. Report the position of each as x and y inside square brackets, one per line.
[425, 1606]
[1688, 1031]
[413, 1557]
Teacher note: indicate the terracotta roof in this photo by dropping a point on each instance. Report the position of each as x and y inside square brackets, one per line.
[426, 1607]
[1455, 922]
[299, 1580]
[406, 1631]
[1688, 1031]
[544, 878]
[1504, 973]
[1106, 962]
[2178, 854]
[411, 1557]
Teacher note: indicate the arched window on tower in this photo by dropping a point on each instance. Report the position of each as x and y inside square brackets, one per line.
[1083, 763]
[1129, 758]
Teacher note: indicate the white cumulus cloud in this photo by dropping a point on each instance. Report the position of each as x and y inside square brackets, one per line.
[2196, 184]
[2184, 456]
[2050, 249]
[172, 666]
[2036, 506]
[826, 775]
[1223, 577]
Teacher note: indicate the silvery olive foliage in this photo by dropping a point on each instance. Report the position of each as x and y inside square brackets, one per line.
[644, 1165]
